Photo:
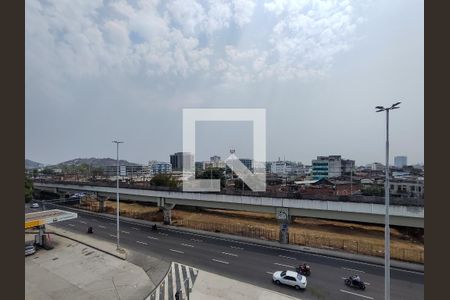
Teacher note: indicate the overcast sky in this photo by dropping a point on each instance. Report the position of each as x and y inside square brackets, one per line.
[97, 71]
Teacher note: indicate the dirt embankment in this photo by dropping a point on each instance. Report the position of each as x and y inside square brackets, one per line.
[352, 237]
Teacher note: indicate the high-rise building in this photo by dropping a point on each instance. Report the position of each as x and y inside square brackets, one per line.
[177, 159]
[400, 161]
[331, 166]
[286, 168]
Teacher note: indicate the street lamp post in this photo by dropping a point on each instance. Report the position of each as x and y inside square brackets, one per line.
[117, 195]
[387, 234]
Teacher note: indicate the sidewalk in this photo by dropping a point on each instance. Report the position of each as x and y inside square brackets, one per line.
[72, 270]
[313, 251]
[209, 286]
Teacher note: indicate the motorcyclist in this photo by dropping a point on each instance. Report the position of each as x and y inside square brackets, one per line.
[154, 227]
[356, 278]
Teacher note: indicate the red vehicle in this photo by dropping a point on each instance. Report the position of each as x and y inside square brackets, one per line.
[304, 269]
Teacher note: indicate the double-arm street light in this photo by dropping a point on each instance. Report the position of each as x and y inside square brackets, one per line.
[117, 195]
[387, 234]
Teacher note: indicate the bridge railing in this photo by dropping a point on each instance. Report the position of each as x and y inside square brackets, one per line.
[406, 201]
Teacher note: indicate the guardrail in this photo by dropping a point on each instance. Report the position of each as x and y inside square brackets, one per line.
[406, 201]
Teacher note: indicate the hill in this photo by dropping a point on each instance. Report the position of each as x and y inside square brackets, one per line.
[29, 164]
[95, 162]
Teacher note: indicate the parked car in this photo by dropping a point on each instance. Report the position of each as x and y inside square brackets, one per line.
[29, 250]
[35, 205]
[290, 278]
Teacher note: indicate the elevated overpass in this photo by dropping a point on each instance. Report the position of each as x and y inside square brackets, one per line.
[400, 215]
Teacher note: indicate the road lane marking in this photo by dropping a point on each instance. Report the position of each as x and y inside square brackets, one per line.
[82, 222]
[125, 231]
[113, 235]
[143, 243]
[234, 247]
[161, 233]
[288, 257]
[303, 252]
[134, 228]
[195, 240]
[101, 226]
[71, 225]
[177, 251]
[153, 238]
[287, 266]
[366, 283]
[363, 296]
[220, 261]
[187, 245]
[230, 254]
[271, 273]
[350, 269]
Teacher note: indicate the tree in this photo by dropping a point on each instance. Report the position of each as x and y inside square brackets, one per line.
[164, 180]
[28, 189]
[212, 173]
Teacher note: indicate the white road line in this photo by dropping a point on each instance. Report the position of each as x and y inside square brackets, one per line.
[367, 297]
[350, 269]
[288, 257]
[134, 228]
[366, 283]
[292, 251]
[187, 245]
[271, 273]
[101, 226]
[165, 234]
[125, 231]
[166, 288]
[230, 254]
[287, 266]
[174, 280]
[234, 247]
[82, 222]
[112, 235]
[195, 240]
[143, 243]
[220, 261]
[71, 225]
[153, 238]
[182, 279]
[177, 251]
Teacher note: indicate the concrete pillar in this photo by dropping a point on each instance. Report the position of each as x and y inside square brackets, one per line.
[167, 211]
[284, 232]
[283, 218]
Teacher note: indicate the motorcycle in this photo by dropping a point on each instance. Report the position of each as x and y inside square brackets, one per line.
[90, 230]
[304, 270]
[154, 227]
[351, 282]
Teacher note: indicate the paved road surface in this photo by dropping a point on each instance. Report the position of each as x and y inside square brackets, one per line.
[254, 263]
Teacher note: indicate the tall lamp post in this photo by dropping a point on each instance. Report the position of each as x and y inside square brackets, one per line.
[117, 195]
[387, 234]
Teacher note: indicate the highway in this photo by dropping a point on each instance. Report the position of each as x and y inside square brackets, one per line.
[252, 263]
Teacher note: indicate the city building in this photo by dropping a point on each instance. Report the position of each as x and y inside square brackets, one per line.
[377, 167]
[287, 168]
[177, 159]
[331, 166]
[407, 188]
[156, 167]
[125, 171]
[248, 163]
[400, 161]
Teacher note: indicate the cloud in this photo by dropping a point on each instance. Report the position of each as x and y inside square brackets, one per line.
[187, 39]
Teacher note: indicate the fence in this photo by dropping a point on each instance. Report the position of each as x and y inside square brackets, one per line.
[257, 232]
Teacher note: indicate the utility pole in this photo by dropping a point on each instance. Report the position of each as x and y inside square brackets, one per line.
[117, 195]
[387, 234]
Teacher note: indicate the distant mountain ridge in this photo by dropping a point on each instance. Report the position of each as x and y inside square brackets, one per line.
[30, 164]
[95, 162]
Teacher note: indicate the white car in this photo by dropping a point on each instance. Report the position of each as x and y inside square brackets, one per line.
[290, 278]
[34, 205]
